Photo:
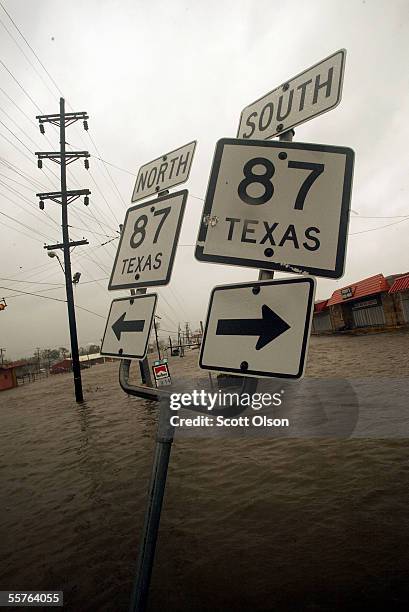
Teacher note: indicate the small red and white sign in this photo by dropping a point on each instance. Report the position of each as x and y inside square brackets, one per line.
[161, 374]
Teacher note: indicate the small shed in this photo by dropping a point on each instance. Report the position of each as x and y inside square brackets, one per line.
[8, 378]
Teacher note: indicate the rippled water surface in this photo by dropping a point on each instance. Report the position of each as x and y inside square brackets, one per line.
[248, 524]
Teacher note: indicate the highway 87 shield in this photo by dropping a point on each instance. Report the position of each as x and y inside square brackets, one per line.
[278, 206]
[128, 326]
[259, 329]
[148, 242]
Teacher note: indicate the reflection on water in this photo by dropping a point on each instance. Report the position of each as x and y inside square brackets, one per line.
[248, 523]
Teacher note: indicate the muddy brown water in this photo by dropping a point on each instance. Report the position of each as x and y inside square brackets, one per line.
[247, 524]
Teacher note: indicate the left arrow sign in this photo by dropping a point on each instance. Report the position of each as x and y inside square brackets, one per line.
[121, 326]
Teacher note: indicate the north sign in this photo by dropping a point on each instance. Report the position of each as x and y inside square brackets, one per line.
[260, 328]
[277, 206]
[309, 94]
[164, 172]
[128, 327]
[148, 242]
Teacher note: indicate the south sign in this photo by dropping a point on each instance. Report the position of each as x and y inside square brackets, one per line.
[277, 206]
[309, 94]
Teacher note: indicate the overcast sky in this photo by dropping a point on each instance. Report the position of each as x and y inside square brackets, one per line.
[154, 75]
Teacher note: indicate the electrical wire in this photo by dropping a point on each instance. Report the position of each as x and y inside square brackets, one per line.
[47, 297]
[375, 229]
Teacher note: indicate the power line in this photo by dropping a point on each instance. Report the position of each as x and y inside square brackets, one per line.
[30, 282]
[30, 47]
[387, 217]
[19, 84]
[22, 51]
[47, 297]
[58, 89]
[375, 229]
[23, 225]
[108, 172]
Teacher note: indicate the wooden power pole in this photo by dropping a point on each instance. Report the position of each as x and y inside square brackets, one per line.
[65, 197]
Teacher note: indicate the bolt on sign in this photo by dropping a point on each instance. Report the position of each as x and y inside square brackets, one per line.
[309, 94]
[164, 172]
[148, 242]
[128, 326]
[259, 328]
[277, 206]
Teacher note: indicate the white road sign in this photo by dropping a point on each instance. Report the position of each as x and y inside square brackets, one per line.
[277, 206]
[128, 326]
[259, 329]
[312, 92]
[148, 242]
[164, 172]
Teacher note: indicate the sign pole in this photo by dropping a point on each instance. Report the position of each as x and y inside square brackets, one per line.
[164, 440]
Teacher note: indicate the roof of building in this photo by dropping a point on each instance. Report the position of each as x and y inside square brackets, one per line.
[400, 284]
[89, 357]
[82, 358]
[367, 286]
[320, 305]
[18, 364]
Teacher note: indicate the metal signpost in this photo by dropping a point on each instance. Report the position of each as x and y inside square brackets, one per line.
[164, 172]
[277, 206]
[144, 258]
[128, 327]
[259, 328]
[307, 95]
[148, 242]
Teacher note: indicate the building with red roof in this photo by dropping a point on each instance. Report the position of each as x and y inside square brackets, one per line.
[376, 301]
[400, 293]
[8, 378]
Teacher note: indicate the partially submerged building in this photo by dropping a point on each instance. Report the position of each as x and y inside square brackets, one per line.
[8, 378]
[374, 302]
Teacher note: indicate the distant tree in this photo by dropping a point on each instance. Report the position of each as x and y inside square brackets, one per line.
[63, 352]
[93, 348]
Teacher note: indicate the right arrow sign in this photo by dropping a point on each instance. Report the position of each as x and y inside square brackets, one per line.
[267, 328]
[278, 313]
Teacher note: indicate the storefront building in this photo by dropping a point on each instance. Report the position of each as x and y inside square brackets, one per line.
[366, 303]
[321, 320]
[400, 294]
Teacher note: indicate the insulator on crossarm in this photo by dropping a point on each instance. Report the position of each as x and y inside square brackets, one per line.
[85, 125]
[86, 164]
[40, 163]
[41, 205]
[86, 200]
[42, 129]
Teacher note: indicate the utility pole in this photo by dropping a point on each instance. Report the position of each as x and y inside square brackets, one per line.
[2, 350]
[65, 197]
[38, 359]
[156, 336]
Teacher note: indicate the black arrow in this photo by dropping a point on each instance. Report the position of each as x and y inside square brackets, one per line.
[126, 326]
[269, 327]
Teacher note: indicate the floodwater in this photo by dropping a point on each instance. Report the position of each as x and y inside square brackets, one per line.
[256, 524]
